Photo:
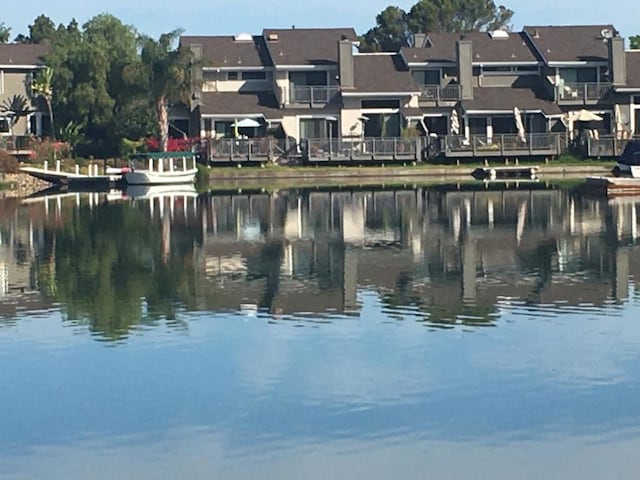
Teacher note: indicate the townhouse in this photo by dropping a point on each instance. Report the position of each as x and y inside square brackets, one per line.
[531, 93]
[18, 64]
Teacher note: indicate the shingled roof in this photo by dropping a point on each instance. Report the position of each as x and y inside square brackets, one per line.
[382, 73]
[306, 46]
[441, 47]
[238, 104]
[505, 98]
[570, 43]
[20, 54]
[231, 51]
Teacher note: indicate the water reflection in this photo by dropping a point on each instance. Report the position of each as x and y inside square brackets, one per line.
[444, 256]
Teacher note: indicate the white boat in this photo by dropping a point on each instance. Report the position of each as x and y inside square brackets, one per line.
[163, 168]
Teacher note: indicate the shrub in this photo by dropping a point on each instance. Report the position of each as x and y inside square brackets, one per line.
[8, 163]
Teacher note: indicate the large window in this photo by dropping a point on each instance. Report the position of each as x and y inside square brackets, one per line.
[382, 125]
[427, 77]
[5, 125]
[382, 103]
[308, 79]
[579, 75]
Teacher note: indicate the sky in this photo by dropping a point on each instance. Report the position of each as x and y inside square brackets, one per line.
[216, 17]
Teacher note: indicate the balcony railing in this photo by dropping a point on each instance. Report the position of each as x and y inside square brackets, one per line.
[507, 145]
[606, 146]
[316, 95]
[582, 92]
[226, 150]
[361, 149]
[438, 94]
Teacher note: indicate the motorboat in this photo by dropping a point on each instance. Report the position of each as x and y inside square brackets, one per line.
[162, 168]
[629, 161]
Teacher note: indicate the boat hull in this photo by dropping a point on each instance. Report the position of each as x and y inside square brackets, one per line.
[146, 177]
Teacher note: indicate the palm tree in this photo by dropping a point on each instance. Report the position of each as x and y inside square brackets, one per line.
[169, 75]
[15, 107]
[42, 86]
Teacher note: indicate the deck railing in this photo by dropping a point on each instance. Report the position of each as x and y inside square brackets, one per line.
[241, 150]
[606, 146]
[313, 94]
[504, 145]
[349, 149]
[582, 92]
[437, 93]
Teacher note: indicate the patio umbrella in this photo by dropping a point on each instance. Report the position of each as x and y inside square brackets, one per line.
[584, 116]
[246, 123]
[519, 125]
[620, 122]
[455, 123]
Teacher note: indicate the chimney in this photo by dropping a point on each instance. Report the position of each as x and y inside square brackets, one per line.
[196, 86]
[419, 40]
[464, 57]
[345, 64]
[617, 61]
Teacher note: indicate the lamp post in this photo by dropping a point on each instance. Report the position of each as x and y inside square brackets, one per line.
[329, 126]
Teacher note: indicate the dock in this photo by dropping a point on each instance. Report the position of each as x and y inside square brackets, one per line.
[613, 186]
[515, 171]
[59, 177]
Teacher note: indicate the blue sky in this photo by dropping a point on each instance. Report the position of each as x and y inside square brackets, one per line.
[218, 17]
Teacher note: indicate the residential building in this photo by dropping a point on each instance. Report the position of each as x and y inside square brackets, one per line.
[18, 64]
[479, 94]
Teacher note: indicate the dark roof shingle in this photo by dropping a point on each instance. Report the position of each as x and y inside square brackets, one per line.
[306, 46]
[226, 51]
[22, 54]
[237, 104]
[382, 73]
[506, 98]
[570, 43]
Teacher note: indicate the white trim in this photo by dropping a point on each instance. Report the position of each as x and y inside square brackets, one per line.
[13, 66]
[579, 63]
[502, 112]
[431, 64]
[232, 116]
[378, 94]
[627, 89]
[508, 64]
[380, 111]
[306, 67]
[1, 81]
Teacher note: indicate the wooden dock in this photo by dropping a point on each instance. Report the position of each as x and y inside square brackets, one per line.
[59, 177]
[515, 171]
[613, 186]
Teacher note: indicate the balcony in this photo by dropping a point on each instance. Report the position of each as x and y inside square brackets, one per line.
[582, 93]
[322, 150]
[313, 95]
[438, 95]
[535, 144]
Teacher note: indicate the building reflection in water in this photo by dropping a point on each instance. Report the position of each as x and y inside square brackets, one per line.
[449, 254]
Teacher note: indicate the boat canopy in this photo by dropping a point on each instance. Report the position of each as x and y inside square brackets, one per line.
[154, 155]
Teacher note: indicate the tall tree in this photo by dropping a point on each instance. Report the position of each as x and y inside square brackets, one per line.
[390, 33]
[42, 86]
[42, 30]
[394, 26]
[634, 42]
[168, 72]
[5, 33]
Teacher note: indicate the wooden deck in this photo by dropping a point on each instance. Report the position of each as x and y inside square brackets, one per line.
[504, 146]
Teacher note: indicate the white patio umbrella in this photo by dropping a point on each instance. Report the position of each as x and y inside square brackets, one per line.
[246, 123]
[620, 122]
[455, 123]
[519, 125]
[584, 116]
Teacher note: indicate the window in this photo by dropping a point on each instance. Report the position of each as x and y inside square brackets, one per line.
[232, 75]
[427, 77]
[254, 75]
[316, 128]
[5, 125]
[579, 75]
[636, 99]
[380, 104]
[308, 79]
[223, 129]
[382, 125]
[506, 70]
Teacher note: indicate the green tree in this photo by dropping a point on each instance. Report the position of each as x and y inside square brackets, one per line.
[5, 33]
[42, 87]
[167, 70]
[42, 30]
[390, 33]
[72, 134]
[634, 42]
[394, 26]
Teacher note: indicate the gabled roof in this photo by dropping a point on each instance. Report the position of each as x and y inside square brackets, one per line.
[306, 46]
[570, 43]
[441, 47]
[230, 51]
[381, 73]
[237, 104]
[20, 54]
[505, 98]
[633, 69]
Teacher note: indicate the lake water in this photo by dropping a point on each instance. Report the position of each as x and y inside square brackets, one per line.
[453, 331]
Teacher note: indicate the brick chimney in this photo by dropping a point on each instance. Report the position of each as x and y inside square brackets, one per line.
[419, 40]
[345, 64]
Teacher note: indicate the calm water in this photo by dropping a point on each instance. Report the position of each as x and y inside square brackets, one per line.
[446, 332]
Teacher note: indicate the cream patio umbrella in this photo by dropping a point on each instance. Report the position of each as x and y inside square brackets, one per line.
[522, 134]
[455, 123]
[584, 116]
[620, 122]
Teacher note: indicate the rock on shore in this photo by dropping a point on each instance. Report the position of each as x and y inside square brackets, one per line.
[21, 185]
